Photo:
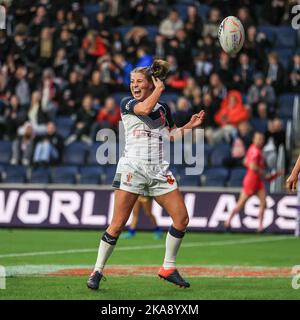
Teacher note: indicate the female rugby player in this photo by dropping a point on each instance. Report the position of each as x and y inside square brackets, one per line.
[142, 171]
[253, 181]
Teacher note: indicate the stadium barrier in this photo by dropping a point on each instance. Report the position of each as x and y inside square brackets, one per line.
[92, 208]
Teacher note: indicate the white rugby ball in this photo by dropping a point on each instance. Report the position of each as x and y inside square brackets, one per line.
[231, 35]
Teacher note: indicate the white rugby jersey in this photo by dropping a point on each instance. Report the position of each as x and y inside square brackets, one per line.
[144, 134]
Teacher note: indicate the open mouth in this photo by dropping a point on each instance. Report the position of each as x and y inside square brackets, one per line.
[137, 93]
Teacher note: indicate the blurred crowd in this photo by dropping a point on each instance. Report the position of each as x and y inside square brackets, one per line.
[58, 60]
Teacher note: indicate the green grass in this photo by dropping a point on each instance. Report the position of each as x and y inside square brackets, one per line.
[198, 249]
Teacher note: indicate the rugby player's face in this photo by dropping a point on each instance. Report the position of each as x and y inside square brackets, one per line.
[140, 86]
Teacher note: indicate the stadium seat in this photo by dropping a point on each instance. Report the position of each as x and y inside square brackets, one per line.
[236, 177]
[92, 153]
[118, 96]
[259, 124]
[284, 56]
[75, 153]
[64, 174]
[109, 173]
[189, 180]
[14, 174]
[169, 97]
[269, 31]
[40, 175]
[286, 37]
[286, 104]
[91, 175]
[190, 153]
[218, 154]
[216, 177]
[64, 126]
[153, 31]
[203, 10]
[123, 30]
[5, 151]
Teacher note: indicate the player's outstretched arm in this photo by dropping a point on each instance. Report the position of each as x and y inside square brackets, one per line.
[291, 182]
[196, 120]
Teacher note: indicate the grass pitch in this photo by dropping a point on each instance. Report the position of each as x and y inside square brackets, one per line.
[218, 266]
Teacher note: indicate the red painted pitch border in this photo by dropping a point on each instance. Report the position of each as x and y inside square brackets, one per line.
[192, 271]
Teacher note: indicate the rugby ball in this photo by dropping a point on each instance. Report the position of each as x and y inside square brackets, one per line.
[231, 35]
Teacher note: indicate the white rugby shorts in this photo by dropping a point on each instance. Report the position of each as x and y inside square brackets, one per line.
[144, 178]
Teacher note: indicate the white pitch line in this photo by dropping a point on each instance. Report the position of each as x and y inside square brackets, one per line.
[26, 270]
[158, 246]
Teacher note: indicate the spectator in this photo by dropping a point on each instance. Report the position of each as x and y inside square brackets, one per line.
[36, 116]
[136, 37]
[22, 147]
[193, 25]
[48, 147]
[255, 46]
[97, 89]
[45, 48]
[209, 122]
[261, 92]
[209, 47]
[49, 91]
[239, 145]
[274, 73]
[67, 42]
[224, 69]
[71, 95]
[124, 68]
[171, 24]
[212, 26]
[274, 11]
[108, 116]
[294, 74]
[159, 49]
[61, 64]
[39, 21]
[191, 86]
[232, 111]
[245, 17]
[183, 112]
[202, 67]
[20, 86]
[144, 59]
[262, 110]
[243, 76]
[14, 117]
[117, 43]
[102, 24]
[94, 45]
[182, 50]
[84, 120]
[216, 88]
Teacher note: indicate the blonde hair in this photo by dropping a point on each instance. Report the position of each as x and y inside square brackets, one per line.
[158, 69]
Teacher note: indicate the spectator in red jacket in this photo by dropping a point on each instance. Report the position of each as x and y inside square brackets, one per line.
[108, 117]
[94, 45]
[232, 111]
